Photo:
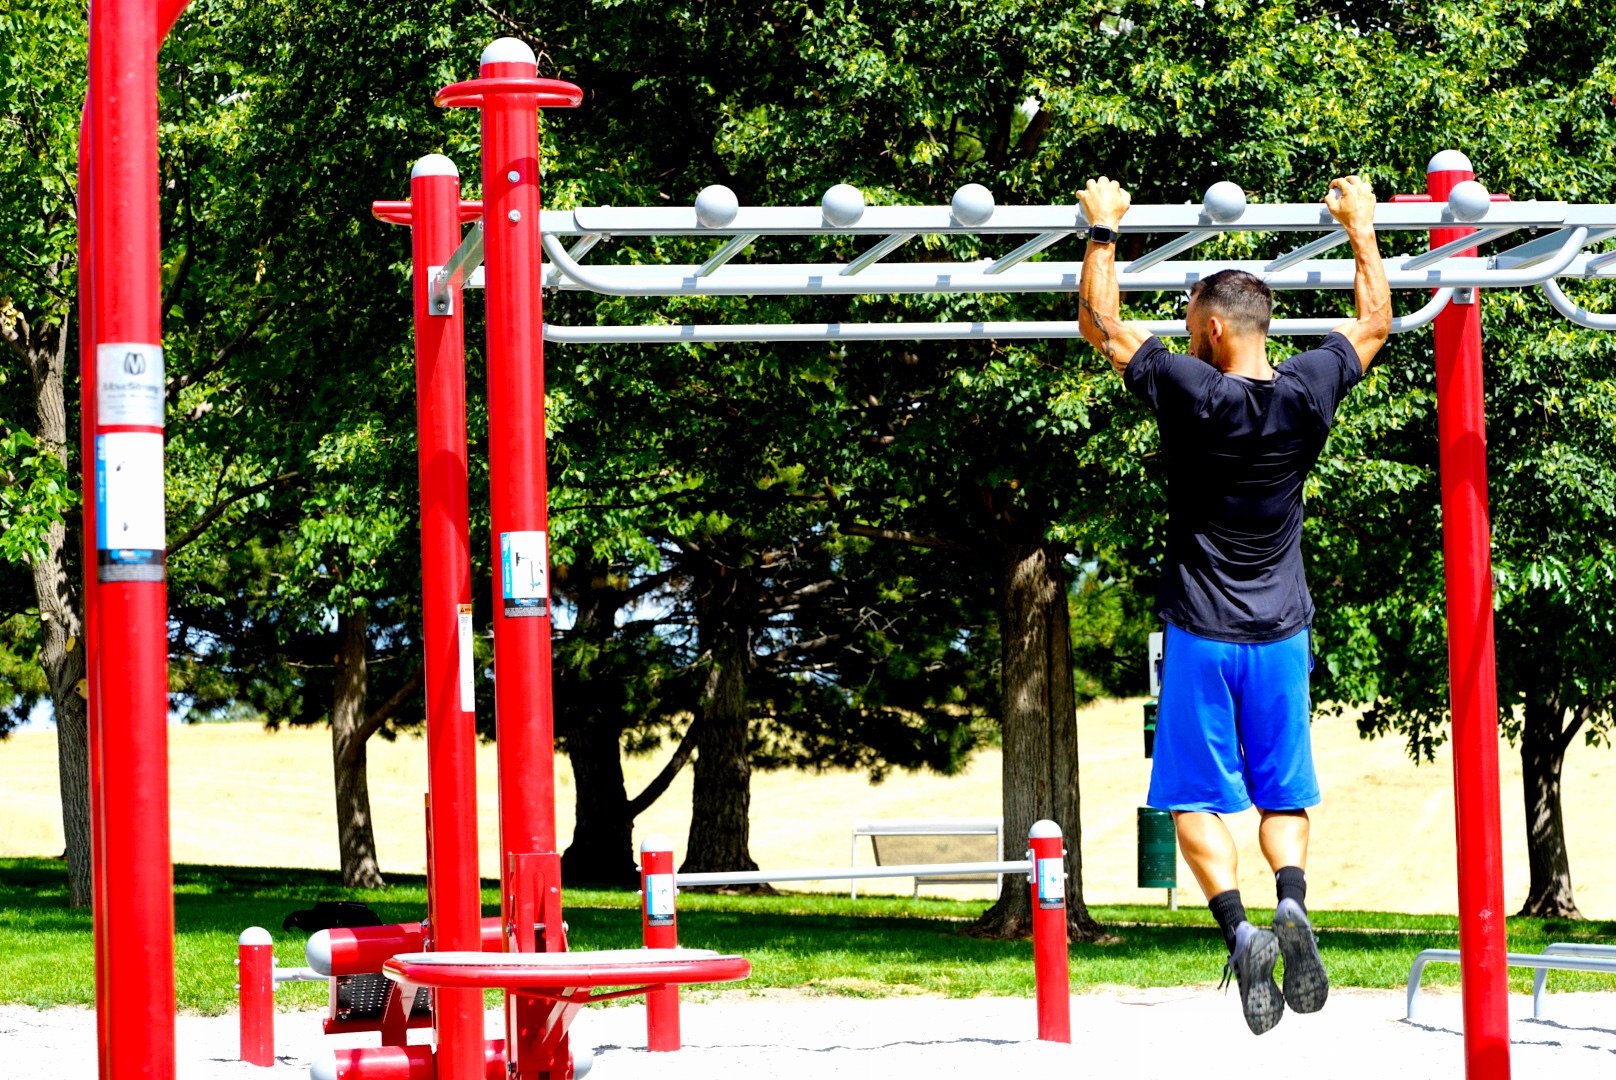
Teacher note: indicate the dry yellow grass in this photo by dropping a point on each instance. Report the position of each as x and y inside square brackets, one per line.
[1383, 840]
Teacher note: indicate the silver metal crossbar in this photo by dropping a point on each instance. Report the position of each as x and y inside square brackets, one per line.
[848, 873]
[1599, 961]
[937, 331]
[786, 279]
[451, 276]
[1567, 230]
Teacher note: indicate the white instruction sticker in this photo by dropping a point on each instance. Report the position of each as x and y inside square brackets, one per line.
[129, 530]
[525, 573]
[129, 385]
[659, 897]
[1051, 883]
[468, 688]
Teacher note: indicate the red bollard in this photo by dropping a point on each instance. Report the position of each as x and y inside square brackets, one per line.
[661, 924]
[256, 981]
[1050, 959]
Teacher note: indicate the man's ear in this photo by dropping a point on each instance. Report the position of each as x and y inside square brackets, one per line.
[1215, 330]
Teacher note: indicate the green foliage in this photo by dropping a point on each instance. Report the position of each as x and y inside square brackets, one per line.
[35, 495]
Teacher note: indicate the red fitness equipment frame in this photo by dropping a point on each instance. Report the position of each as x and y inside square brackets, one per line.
[125, 630]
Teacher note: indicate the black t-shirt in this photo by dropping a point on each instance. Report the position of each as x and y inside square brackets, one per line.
[1237, 451]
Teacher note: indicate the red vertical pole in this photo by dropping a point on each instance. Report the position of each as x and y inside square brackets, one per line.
[660, 922]
[255, 980]
[509, 93]
[1050, 957]
[87, 555]
[454, 894]
[128, 684]
[518, 493]
[1473, 692]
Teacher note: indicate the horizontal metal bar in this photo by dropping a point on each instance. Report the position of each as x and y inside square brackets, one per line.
[879, 251]
[1453, 247]
[1309, 250]
[1540, 961]
[1145, 218]
[848, 873]
[760, 279]
[466, 258]
[1167, 251]
[929, 331]
[724, 254]
[299, 974]
[1026, 251]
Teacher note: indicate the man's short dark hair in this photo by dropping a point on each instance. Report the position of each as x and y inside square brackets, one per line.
[1238, 298]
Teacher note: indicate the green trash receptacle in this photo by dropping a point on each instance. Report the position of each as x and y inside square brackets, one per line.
[1158, 849]
[1150, 727]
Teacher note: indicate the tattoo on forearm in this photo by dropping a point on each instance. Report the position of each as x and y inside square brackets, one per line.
[1099, 324]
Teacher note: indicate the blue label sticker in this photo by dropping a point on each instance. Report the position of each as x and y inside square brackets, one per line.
[1051, 883]
[524, 559]
[659, 898]
[130, 534]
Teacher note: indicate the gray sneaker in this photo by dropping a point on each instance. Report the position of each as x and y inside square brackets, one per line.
[1306, 984]
[1252, 966]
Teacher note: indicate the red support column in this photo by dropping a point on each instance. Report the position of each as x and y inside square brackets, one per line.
[1467, 559]
[660, 923]
[509, 93]
[454, 893]
[255, 982]
[1050, 956]
[126, 607]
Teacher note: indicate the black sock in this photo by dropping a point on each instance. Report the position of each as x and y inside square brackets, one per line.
[1291, 883]
[1230, 913]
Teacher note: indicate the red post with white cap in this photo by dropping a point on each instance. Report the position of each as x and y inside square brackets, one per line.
[454, 894]
[1473, 691]
[1050, 956]
[660, 921]
[509, 94]
[255, 978]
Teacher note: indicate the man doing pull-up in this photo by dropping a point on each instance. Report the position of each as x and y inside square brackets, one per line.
[1239, 437]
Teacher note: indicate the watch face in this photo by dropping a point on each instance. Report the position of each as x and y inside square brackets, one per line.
[1102, 234]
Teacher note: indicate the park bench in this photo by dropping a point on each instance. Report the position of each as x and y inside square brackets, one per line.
[911, 841]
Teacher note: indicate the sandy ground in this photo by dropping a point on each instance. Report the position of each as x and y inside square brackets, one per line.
[1383, 839]
[1195, 1032]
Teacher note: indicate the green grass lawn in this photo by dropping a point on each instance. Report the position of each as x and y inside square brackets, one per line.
[812, 942]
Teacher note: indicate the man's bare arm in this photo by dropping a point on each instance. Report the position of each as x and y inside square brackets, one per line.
[1099, 302]
[1352, 201]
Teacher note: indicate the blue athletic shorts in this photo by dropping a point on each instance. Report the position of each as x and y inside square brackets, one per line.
[1232, 730]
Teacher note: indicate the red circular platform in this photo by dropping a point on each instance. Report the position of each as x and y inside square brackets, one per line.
[540, 972]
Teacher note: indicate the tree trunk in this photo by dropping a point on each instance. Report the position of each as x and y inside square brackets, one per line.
[602, 848]
[1543, 746]
[356, 839]
[721, 800]
[1038, 723]
[61, 652]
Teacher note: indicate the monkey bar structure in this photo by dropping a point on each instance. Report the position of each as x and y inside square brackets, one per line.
[125, 633]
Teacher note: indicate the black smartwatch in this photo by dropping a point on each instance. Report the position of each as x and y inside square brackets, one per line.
[1102, 234]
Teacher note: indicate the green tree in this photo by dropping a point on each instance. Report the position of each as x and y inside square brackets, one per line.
[41, 90]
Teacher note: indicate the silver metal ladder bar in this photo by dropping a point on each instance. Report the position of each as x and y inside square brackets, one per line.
[881, 250]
